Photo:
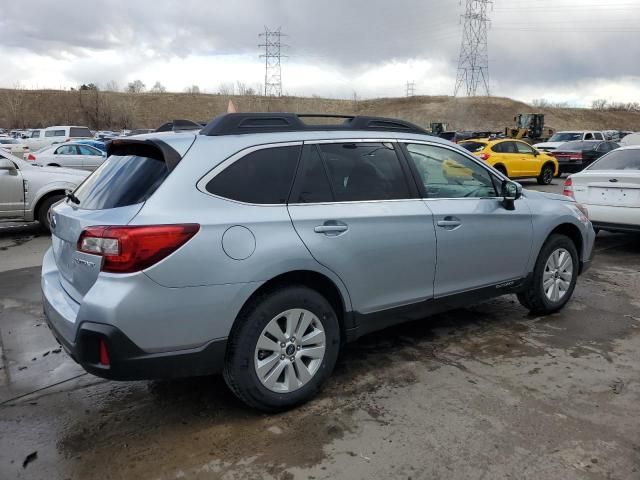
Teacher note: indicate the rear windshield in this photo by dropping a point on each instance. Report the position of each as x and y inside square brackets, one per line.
[473, 147]
[618, 160]
[121, 181]
[579, 145]
[80, 132]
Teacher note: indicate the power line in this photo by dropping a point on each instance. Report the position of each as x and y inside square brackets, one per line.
[473, 63]
[272, 56]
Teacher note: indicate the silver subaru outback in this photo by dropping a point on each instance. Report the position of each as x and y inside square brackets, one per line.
[261, 245]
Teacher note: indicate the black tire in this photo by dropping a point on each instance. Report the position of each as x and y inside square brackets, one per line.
[43, 211]
[502, 170]
[546, 175]
[534, 298]
[239, 370]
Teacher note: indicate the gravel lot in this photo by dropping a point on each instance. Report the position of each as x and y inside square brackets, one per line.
[486, 392]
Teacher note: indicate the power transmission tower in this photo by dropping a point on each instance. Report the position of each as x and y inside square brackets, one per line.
[411, 89]
[272, 55]
[473, 64]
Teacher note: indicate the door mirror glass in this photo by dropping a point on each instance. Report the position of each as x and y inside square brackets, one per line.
[7, 165]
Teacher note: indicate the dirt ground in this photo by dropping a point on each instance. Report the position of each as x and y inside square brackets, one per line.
[487, 392]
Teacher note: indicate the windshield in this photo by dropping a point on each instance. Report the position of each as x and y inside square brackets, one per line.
[565, 136]
[8, 140]
[618, 160]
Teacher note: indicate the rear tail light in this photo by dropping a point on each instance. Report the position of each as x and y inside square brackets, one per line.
[104, 353]
[484, 156]
[130, 249]
[575, 156]
[31, 157]
[568, 188]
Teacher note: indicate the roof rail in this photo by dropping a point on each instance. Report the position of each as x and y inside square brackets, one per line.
[178, 126]
[243, 123]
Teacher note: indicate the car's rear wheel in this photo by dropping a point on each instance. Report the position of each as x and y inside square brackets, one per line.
[283, 349]
[554, 276]
[546, 175]
[43, 211]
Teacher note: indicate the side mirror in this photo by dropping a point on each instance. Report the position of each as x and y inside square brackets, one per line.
[511, 191]
[7, 165]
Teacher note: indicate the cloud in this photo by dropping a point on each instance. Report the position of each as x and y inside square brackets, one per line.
[335, 46]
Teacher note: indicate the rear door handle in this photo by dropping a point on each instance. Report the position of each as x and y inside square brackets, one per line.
[331, 227]
[450, 223]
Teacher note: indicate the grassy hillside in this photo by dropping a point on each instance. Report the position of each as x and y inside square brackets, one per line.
[102, 110]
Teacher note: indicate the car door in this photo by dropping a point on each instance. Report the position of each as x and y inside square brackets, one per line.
[92, 158]
[67, 156]
[509, 157]
[480, 242]
[355, 209]
[529, 162]
[11, 189]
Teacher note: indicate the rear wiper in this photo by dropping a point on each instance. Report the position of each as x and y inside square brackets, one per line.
[72, 198]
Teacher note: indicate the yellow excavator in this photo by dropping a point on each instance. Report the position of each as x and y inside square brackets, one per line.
[529, 127]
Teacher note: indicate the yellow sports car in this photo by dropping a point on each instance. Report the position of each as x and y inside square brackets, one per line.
[515, 158]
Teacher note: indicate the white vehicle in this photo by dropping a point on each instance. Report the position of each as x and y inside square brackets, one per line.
[14, 146]
[631, 139]
[559, 138]
[44, 137]
[70, 155]
[27, 192]
[610, 189]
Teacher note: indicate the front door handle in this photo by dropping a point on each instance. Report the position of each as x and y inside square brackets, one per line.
[449, 223]
[331, 227]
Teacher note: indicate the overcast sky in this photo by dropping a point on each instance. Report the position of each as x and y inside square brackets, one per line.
[562, 50]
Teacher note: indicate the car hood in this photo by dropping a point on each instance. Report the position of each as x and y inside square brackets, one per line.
[63, 171]
[56, 173]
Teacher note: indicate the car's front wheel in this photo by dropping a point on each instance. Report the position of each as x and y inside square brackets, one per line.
[283, 348]
[546, 175]
[554, 276]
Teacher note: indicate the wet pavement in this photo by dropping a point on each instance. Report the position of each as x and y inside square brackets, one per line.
[485, 392]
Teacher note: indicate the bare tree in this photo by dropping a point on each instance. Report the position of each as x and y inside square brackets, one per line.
[244, 89]
[226, 88]
[136, 87]
[599, 104]
[112, 86]
[540, 103]
[14, 100]
[158, 88]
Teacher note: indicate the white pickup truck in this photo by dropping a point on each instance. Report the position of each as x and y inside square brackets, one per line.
[45, 137]
[559, 138]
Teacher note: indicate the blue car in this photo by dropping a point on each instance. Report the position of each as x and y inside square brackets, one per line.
[102, 146]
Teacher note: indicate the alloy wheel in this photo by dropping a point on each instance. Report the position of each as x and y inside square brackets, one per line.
[557, 275]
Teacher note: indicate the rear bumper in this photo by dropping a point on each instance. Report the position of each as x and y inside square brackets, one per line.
[572, 167]
[616, 227]
[127, 361]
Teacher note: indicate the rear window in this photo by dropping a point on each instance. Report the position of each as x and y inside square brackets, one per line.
[618, 160]
[121, 181]
[473, 147]
[80, 132]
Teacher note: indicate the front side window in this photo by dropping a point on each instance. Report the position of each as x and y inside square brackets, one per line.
[598, 136]
[448, 174]
[35, 134]
[262, 177]
[364, 171]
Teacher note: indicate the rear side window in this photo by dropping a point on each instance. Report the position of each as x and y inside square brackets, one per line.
[364, 171]
[121, 181]
[262, 177]
[80, 132]
[312, 185]
[54, 133]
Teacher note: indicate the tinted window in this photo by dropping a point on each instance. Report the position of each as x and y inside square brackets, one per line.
[581, 145]
[80, 132]
[312, 185]
[505, 147]
[448, 174]
[121, 181]
[618, 160]
[565, 136]
[364, 171]
[473, 147]
[54, 133]
[8, 141]
[263, 176]
[35, 134]
[598, 136]
[523, 148]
